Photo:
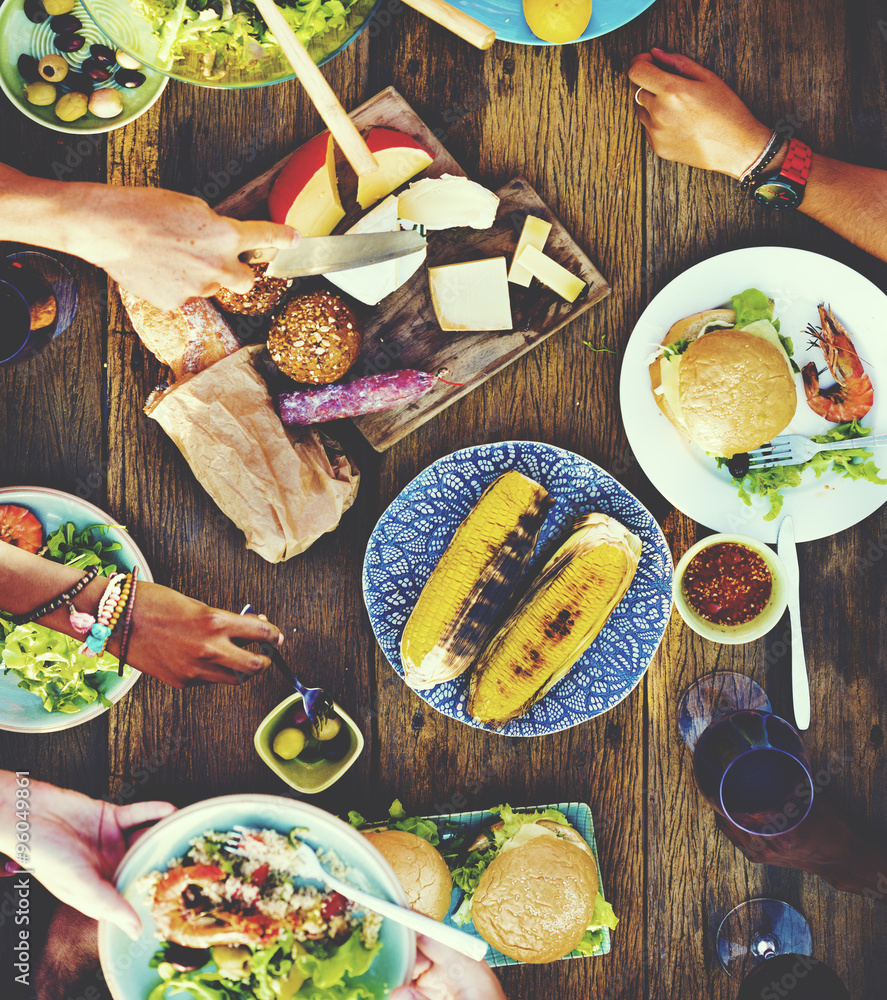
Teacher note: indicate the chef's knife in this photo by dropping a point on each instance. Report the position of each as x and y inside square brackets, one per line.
[788, 553]
[320, 254]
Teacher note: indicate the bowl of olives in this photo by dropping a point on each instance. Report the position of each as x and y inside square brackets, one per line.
[308, 757]
[61, 70]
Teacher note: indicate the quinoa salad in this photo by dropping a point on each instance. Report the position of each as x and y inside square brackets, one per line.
[246, 925]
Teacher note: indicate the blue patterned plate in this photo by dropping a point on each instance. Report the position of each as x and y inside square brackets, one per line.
[506, 17]
[416, 528]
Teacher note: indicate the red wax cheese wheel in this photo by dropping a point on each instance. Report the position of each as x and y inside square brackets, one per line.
[306, 194]
[399, 157]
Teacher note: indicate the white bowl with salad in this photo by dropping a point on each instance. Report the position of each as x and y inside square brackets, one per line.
[45, 685]
[219, 926]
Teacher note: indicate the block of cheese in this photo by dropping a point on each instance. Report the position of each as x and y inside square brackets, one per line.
[471, 296]
[447, 202]
[534, 234]
[306, 193]
[399, 157]
[372, 283]
[550, 273]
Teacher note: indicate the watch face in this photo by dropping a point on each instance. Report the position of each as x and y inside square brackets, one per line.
[778, 194]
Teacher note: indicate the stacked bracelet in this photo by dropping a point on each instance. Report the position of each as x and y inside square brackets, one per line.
[127, 623]
[95, 642]
[752, 173]
[58, 602]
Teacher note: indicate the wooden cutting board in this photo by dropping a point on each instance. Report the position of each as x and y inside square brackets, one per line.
[402, 330]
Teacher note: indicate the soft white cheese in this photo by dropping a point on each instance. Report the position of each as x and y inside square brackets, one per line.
[447, 202]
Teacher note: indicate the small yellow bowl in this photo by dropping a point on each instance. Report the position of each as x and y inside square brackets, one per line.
[733, 635]
[309, 777]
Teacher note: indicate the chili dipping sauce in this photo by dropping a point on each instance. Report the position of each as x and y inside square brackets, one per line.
[727, 584]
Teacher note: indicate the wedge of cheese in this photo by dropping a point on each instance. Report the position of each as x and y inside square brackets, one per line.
[471, 296]
[534, 234]
[374, 282]
[550, 273]
[447, 202]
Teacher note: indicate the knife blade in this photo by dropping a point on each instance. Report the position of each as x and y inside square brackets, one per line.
[788, 553]
[321, 254]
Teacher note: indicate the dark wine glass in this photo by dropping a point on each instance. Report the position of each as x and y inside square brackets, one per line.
[758, 932]
[750, 764]
[793, 977]
[38, 299]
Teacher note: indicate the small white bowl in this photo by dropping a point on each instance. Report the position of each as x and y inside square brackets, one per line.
[733, 635]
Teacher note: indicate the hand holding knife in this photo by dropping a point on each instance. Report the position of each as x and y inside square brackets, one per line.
[322, 254]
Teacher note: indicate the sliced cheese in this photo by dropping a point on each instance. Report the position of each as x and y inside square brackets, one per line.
[550, 273]
[471, 296]
[399, 157]
[447, 202]
[528, 832]
[534, 234]
[372, 283]
[317, 209]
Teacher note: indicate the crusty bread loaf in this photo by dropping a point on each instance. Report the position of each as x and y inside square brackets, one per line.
[188, 339]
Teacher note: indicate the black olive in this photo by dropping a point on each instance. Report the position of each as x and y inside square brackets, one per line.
[78, 82]
[129, 78]
[69, 42]
[185, 959]
[27, 67]
[95, 70]
[103, 54]
[737, 466]
[35, 11]
[65, 22]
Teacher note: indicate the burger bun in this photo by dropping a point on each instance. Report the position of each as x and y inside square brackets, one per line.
[420, 869]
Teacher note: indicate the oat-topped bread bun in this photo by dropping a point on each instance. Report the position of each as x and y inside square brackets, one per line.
[315, 338]
[264, 296]
[535, 901]
[420, 869]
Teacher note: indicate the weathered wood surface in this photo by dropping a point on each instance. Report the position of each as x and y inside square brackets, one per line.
[564, 119]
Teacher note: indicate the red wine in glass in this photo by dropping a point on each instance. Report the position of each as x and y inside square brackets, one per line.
[793, 977]
[38, 300]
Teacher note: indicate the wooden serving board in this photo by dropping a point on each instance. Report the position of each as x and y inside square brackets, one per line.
[402, 330]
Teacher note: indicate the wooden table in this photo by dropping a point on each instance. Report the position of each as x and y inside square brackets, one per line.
[564, 118]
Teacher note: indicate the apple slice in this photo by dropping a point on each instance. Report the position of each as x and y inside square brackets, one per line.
[305, 194]
[399, 157]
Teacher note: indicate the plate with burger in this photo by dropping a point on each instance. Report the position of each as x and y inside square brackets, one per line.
[745, 347]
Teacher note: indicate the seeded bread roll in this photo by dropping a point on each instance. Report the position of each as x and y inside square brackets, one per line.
[264, 296]
[315, 338]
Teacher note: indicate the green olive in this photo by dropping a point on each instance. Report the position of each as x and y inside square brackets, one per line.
[288, 987]
[232, 961]
[71, 106]
[106, 103]
[328, 728]
[41, 92]
[55, 7]
[53, 68]
[289, 743]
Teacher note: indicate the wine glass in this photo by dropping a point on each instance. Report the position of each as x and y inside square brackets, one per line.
[38, 299]
[749, 763]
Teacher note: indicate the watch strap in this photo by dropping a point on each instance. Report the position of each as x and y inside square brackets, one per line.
[798, 161]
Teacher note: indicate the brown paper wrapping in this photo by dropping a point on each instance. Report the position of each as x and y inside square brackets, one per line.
[282, 491]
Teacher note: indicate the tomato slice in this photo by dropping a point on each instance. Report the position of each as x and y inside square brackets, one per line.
[19, 527]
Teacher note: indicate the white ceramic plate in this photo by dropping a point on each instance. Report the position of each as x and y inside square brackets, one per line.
[20, 710]
[798, 281]
[125, 963]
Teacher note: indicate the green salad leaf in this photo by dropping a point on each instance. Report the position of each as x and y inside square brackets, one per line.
[48, 665]
[82, 549]
[849, 463]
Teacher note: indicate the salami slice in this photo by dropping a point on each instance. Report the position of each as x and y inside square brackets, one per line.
[354, 399]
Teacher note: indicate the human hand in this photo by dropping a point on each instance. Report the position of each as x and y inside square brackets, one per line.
[184, 642]
[692, 116]
[76, 844]
[443, 974]
[164, 246]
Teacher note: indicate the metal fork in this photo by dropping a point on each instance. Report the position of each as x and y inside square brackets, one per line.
[795, 449]
[317, 703]
[312, 869]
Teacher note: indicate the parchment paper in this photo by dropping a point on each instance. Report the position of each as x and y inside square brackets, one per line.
[282, 490]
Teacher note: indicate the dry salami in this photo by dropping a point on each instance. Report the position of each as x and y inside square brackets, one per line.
[354, 399]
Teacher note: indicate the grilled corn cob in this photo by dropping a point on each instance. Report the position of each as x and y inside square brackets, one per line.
[556, 621]
[468, 591]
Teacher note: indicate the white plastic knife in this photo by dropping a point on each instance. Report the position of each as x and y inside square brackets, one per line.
[788, 553]
[320, 254]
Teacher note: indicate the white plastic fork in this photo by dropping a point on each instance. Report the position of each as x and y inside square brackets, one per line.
[312, 869]
[795, 449]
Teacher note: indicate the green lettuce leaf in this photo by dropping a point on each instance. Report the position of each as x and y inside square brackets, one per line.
[513, 821]
[348, 960]
[424, 828]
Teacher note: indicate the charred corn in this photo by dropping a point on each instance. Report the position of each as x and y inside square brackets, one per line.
[468, 591]
[556, 621]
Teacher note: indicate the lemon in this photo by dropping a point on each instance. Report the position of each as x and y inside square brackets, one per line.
[557, 20]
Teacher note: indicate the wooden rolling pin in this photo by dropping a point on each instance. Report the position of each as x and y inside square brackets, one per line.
[479, 35]
[329, 108]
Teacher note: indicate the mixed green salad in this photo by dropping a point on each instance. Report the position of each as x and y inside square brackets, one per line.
[228, 35]
[46, 662]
